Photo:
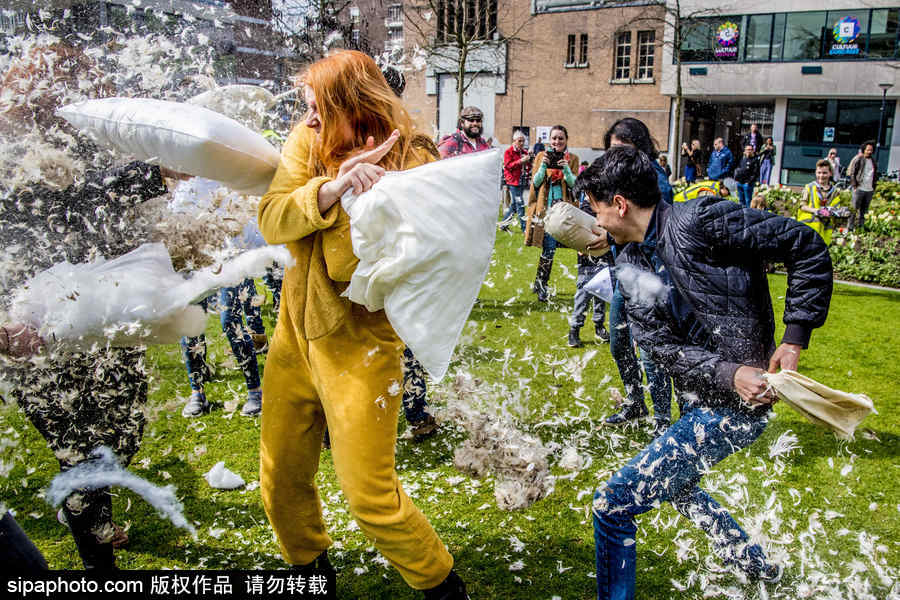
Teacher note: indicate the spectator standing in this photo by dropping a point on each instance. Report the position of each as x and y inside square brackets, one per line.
[693, 161]
[766, 160]
[835, 161]
[515, 160]
[721, 161]
[745, 174]
[754, 138]
[467, 137]
[538, 147]
[863, 172]
[715, 334]
[588, 267]
[551, 183]
[818, 197]
[633, 132]
[663, 161]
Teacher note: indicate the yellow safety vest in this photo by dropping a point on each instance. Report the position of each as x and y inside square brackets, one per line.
[814, 199]
[702, 188]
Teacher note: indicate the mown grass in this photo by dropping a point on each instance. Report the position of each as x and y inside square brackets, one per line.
[518, 348]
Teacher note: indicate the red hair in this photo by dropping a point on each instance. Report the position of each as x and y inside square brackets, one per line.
[349, 88]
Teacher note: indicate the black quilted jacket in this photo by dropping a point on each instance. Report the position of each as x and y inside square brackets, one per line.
[719, 311]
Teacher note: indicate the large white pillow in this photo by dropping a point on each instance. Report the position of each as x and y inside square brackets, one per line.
[187, 138]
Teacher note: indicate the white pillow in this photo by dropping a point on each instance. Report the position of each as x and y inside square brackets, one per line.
[244, 103]
[424, 238]
[186, 138]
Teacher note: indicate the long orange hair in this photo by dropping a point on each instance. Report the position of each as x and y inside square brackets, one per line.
[350, 88]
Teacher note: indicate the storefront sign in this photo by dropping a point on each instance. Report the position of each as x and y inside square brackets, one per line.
[726, 46]
[845, 33]
[828, 136]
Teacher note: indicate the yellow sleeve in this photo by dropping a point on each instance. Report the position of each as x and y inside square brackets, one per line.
[336, 244]
[289, 211]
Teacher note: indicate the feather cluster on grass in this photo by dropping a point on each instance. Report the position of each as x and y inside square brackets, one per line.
[517, 460]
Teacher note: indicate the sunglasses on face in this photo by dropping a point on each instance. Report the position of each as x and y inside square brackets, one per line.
[472, 119]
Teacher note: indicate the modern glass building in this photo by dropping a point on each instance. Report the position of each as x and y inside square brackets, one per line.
[814, 75]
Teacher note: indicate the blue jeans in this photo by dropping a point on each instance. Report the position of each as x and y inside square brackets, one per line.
[583, 299]
[548, 248]
[745, 194]
[622, 351]
[690, 173]
[670, 469]
[765, 171]
[231, 301]
[414, 387]
[516, 205]
[273, 279]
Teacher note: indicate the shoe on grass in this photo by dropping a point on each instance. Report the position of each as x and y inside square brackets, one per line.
[253, 405]
[627, 414]
[196, 405]
[260, 342]
[601, 333]
[451, 588]
[574, 338]
[424, 429]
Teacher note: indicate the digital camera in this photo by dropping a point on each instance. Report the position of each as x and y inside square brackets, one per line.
[554, 157]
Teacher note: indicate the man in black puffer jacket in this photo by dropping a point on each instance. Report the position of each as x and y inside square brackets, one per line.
[697, 297]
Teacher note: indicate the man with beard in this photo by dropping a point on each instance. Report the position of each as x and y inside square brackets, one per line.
[467, 137]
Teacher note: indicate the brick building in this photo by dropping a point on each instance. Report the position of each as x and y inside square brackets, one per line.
[544, 62]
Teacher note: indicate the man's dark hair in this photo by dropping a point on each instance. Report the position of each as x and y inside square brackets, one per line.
[632, 131]
[622, 170]
[862, 147]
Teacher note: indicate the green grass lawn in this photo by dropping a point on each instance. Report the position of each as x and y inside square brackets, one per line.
[830, 510]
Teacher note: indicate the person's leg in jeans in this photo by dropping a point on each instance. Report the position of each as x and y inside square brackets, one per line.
[582, 301]
[690, 173]
[861, 202]
[765, 170]
[660, 391]
[545, 266]
[253, 312]
[517, 205]
[745, 194]
[670, 469]
[273, 278]
[241, 347]
[193, 352]
[622, 351]
[415, 406]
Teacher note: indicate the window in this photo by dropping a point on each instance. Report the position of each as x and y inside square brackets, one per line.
[354, 14]
[696, 45]
[583, 50]
[854, 121]
[623, 56]
[778, 36]
[476, 19]
[839, 22]
[646, 54]
[570, 50]
[758, 38]
[803, 35]
[395, 12]
[354, 37]
[883, 33]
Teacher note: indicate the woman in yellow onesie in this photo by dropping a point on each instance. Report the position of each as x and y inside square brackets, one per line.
[332, 360]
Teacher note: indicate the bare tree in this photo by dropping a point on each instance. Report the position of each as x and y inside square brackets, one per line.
[672, 16]
[312, 27]
[464, 37]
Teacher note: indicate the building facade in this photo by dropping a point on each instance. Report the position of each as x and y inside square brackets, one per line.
[814, 75]
[539, 63]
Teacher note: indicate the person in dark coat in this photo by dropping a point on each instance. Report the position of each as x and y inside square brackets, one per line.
[78, 401]
[694, 280]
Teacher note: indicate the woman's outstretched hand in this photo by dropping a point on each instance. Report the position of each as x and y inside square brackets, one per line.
[359, 172]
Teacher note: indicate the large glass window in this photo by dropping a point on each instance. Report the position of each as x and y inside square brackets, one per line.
[803, 35]
[883, 36]
[853, 121]
[845, 34]
[758, 38]
[778, 36]
[710, 39]
[805, 121]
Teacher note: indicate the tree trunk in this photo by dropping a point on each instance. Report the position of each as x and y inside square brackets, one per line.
[461, 77]
[679, 99]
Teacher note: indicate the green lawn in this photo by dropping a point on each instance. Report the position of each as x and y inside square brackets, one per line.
[830, 510]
